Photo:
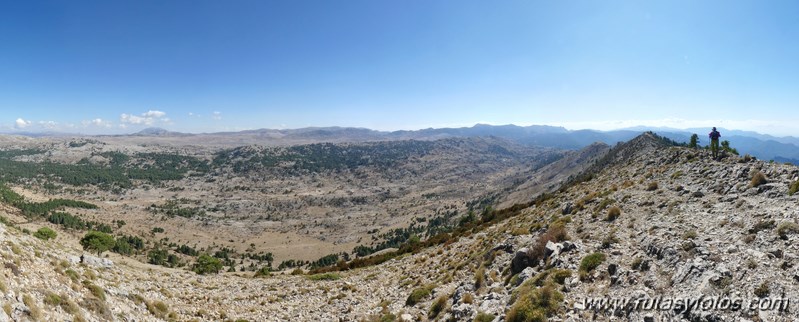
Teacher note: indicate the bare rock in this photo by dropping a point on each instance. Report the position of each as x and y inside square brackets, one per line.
[97, 262]
[521, 260]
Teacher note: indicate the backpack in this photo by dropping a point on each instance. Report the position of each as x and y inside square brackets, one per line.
[715, 135]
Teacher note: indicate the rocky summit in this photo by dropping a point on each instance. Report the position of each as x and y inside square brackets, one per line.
[649, 232]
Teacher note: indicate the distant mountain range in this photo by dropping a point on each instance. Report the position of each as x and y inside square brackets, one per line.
[762, 146]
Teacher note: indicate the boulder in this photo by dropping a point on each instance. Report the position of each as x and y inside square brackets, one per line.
[521, 260]
[493, 303]
[462, 312]
[526, 274]
[463, 289]
[97, 262]
[568, 246]
[505, 247]
[552, 249]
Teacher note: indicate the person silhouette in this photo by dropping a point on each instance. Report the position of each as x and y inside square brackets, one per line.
[714, 143]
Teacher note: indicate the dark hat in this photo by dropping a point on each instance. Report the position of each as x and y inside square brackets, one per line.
[714, 128]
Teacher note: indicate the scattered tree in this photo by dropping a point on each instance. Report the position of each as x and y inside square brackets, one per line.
[207, 265]
[96, 241]
[694, 143]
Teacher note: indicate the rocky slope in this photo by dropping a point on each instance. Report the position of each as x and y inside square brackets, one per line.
[648, 221]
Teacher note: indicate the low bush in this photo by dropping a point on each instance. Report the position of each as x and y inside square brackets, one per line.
[609, 240]
[419, 294]
[158, 309]
[45, 233]
[97, 291]
[762, 290]
[555, 233]
[479, 277]
[535, 304]
[590, 262]
[794, 188]
[263, 272]
[438, 305]
[652, 186]
[52, 299]
[34, 310]
[758, 178]
[613, 213]
[325, 277]
[762, 225]
[787, 228]
[484, 317]
[468, 298]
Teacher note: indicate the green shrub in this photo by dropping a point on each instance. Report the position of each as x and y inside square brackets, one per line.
[484, 317]
[72, 274]
[325, 277]
[52, 299]
[639, 264]
[479, 277]
[794, 188]
[97, 291]
[691, 234]
[438, 305]
[603, 204]
[263, 272]
[71, 307]
[560, 275]
[207, 265]
[158, 308]
[613, 213]
[385, 317]
[762, 290]
[787, 228]
[34, 310]
[758, 178]
[97, 306]
[45, 233]
[419, 294]
[762, 225]
[590, 262]
[535, 305]
[652, 186]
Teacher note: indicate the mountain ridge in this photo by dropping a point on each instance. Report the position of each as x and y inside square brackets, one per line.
[763, 146]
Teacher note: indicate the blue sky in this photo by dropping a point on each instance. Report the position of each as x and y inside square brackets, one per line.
[200, 66]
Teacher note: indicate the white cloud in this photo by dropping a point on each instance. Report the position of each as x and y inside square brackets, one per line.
[21, 124]
[147, 118]
[98, 122]
[216, 115]
[154, 114]
[133, 119]
[50, 125]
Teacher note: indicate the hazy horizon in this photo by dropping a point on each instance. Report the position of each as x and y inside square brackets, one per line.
[628, 128]
[99, 67]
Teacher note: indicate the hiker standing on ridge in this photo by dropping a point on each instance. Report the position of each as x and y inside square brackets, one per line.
[714, 142]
